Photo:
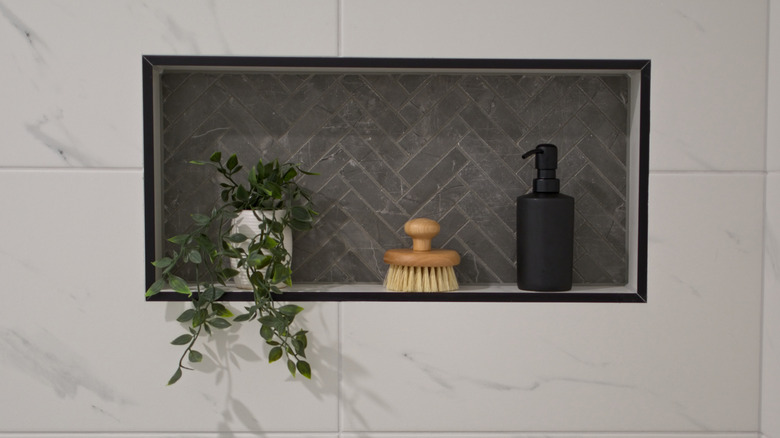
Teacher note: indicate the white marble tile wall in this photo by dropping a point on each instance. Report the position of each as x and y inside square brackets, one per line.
[80, 350]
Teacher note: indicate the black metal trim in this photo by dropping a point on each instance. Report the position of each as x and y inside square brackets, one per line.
[147, 69]
[457, 297]
[391, 63]
[152, 62]
[644, 180]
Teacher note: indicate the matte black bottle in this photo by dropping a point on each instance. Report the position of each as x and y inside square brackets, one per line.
[545, 228]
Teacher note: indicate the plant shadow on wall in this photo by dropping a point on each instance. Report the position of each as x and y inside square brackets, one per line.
[219, 248]
[226, 354]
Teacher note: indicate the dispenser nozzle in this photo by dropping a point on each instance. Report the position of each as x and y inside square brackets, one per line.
[546, 162]
[546, 156]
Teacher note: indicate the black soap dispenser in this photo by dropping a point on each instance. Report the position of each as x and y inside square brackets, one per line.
[545, 228]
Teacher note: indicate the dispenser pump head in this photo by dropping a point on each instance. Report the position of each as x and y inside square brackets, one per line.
[546, 162]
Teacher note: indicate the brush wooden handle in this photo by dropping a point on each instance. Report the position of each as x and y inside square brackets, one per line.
[421, 231]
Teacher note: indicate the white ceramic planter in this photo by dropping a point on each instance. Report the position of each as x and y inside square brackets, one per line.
[247, 224]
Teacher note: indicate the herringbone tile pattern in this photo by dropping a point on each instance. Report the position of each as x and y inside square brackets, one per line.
[389, 147]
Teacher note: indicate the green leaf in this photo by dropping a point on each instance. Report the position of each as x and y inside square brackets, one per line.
[291, 367]
[266, 332]
[182, 340]
[253, 176]
[229, 272]
[299, 225]
[232, 162]
[207, 295]
[179, 239]
[290, 309]
[163, 262]
[299, 348]
[155, 288]
[200, 219]
[220, 323]
[195, 256]
[301, 337]
[301, 214]
[276, 189]
[259, 261]
[221, 310]
[242, 194]
[290, 174]
[175, 378]
[199, 317]
[237, 238]
[179, 285]
[216, 157]
[304, 368]
[257, 278]
[205, 242]
[275, 354]
[186, 315]
[279, 273]
[195, 356]
[277, 227]
[244, 317]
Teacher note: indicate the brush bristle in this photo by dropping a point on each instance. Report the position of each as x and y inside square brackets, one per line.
[421, 279]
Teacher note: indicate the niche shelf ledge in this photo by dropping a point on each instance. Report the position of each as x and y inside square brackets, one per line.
[495, 292]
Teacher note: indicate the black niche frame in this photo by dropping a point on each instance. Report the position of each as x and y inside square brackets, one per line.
[154, 65]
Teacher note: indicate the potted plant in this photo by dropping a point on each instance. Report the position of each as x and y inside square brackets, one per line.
[219, 250]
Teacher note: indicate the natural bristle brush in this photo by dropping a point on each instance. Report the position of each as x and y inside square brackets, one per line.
[421, 269]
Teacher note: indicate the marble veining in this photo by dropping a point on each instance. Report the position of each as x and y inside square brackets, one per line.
[30, 36]
[52, 364]
[448, 380]
[46, 130]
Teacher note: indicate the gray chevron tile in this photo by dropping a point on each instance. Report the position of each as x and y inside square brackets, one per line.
[495, 137]
[357, 269]
[442, 202]
[438, 148]
[313, 91]
[411, 82]
[191, 117]
[257, 104]
[182, 91]
[389, 88]
[606, 163]
[432, 90]
[500, 237]
[389, 147]
[494, 106]
[376, 107]
[370, 163]
[427, 127]
[605, 99]
[599, 124]
[436, 177]
[504, 177]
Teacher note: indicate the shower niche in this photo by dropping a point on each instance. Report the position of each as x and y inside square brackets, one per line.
[395, 139]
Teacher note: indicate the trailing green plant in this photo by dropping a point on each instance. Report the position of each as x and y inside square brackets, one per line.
[211, 244]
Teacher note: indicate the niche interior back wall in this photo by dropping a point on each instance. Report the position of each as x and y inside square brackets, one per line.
[81, 351]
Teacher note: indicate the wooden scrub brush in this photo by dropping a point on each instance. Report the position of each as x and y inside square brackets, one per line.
[421, 269]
